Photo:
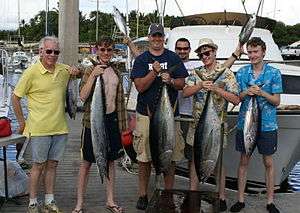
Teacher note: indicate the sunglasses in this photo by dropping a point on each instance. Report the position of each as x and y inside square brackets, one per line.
[207, 53]
[105, 49]
[49, 51]
[182, 48]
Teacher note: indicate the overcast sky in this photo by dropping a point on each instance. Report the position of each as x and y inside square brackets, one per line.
[286, 11]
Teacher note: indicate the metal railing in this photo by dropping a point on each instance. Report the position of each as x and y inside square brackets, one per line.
[4, 72]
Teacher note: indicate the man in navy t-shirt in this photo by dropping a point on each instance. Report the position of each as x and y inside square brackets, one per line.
[148, 74]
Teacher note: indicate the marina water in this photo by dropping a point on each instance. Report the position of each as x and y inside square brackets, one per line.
[294, 177]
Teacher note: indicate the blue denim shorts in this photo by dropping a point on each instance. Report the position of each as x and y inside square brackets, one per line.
[266, 142]
[49, 147]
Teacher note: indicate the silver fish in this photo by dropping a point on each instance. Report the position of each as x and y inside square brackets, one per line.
[251, 125]
[162, 133]
[247, 29]
[207, 140]
[72, 97]
[119, 20]
[99, 136]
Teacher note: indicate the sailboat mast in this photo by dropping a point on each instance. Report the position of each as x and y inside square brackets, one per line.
[137, 19]
[19, 22]
[128, 60]
[46, 17]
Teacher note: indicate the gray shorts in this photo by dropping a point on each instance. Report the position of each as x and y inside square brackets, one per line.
[49, 147]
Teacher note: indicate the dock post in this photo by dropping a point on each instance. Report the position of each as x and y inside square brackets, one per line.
[68, 31]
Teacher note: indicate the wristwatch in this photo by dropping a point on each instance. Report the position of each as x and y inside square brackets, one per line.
[235, 56]
[172, 81]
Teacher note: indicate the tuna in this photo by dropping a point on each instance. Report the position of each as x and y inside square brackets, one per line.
[72, 97]
[247, 29]
[251, 125]
[207, 140]
[162, 133]
[98, 130]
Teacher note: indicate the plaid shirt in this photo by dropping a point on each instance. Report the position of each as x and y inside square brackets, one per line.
[120, 100]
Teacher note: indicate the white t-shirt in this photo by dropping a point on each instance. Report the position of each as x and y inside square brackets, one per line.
[186, 104]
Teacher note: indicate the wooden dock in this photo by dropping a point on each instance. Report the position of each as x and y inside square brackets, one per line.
[126, 187]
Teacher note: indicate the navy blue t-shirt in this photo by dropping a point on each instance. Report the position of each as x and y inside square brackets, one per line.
[143, 65]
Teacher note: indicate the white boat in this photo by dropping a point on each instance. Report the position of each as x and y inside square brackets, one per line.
[226, 37]
[20, 61]
[5, 90]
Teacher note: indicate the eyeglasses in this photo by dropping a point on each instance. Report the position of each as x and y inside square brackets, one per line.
[49, 52]
[182, 48]
[105, 49]
[207, 53]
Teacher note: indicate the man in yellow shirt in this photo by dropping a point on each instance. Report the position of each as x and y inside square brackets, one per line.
[44, 84]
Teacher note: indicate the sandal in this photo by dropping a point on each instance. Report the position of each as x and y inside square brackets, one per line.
[114, 209]
[77, 211]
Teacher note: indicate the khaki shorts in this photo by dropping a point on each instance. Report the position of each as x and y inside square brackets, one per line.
[141, 140]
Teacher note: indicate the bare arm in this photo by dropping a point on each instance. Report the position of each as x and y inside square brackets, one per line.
[177, 83]
[18, 112]
[135, 51]
[255, 90]
[142, 84]
[191, 90]
[228, 96]
[272, 98]
[237, 53]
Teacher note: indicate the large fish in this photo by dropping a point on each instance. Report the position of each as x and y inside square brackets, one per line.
[119, 20]
[207, 140]
[99, 135]
[251, 125]
[247, 29]
[162, 133]
[72, 97]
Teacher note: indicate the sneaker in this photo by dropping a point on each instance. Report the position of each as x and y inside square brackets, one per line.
[272, 208]
[33, 208]
[223, 205]
[142, 203]
[237, 207]
[51, 208]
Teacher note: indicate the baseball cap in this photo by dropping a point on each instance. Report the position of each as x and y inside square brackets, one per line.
[156, 28]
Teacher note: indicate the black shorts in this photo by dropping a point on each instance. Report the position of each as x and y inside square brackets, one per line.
[185, 125]
[112, 130]
[266, 142]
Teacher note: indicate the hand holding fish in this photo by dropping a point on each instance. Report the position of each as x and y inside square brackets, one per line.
[217, 87]
[239, 50]
[73, 70]
[256, 90]
[166, 78]
[98, 70]
[156, 67]
[207, 85]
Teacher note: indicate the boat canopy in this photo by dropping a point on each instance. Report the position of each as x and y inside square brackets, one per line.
[226, 37]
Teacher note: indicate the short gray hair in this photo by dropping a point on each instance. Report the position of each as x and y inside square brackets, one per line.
[48, 38]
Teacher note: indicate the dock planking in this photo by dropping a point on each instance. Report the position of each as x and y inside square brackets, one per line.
[126, 191]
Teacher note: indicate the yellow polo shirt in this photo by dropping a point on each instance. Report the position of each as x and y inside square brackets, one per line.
[46, 93]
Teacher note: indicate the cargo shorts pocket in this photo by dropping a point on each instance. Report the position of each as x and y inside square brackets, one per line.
[138, 142]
